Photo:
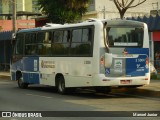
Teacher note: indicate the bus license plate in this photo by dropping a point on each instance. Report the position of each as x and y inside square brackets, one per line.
[125, 81]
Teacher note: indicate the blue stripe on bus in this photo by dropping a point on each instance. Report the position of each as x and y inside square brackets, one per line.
[137, 66]
[27, 64]
[138, 51]
[31, 64]
[32, 78]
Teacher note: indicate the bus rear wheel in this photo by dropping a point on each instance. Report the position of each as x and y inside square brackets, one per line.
[21, 84]
[61, 85]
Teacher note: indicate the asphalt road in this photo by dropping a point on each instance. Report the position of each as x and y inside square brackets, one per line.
[44, 98]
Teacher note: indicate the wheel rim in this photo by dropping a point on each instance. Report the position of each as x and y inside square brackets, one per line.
[61, 86]
[20, 82]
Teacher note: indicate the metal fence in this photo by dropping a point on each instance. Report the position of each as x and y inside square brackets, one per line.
[5, 54]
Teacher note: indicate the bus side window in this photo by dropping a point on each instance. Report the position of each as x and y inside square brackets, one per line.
[66, 42]
[19, 44]
[46, 48]
[44, 43]
[31, 44]
[34, 44]
[60, 43]
[66, 36]
[58, 36]
[27, 42]
[85, 35]
[77, 35]
[40, 39]
[27, 38]
[49, 37]
[33, 38]
[81, 42]
[86, 42]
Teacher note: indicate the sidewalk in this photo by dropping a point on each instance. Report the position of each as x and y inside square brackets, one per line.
[5, 74]
[151, 90]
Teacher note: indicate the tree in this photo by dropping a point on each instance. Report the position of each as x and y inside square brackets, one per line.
[124, 5]
[63, 11]
[5, 1]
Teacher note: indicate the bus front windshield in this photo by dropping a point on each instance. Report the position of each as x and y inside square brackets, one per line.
[125, 36]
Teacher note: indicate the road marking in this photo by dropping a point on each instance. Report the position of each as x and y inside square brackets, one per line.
[39, 96]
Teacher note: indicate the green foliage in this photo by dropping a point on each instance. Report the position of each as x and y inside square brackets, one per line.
[153, 76]
[63, 11]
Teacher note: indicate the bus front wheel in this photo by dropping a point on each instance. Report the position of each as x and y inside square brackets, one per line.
[21, 84]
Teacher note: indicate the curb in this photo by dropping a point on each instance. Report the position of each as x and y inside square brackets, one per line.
[3, 76]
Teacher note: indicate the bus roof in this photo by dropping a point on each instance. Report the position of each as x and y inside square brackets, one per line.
[29, 30]
[56, 26]
[120, 22]
[114, 22]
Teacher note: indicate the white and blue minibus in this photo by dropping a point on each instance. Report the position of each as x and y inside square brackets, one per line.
[98, 54]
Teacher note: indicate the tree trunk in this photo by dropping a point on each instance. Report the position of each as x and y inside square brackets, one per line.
[121, 15]
[122, 12]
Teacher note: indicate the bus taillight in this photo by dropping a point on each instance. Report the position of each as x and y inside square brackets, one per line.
[102, 61]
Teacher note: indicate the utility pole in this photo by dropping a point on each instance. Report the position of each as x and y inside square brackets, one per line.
[14, 16]
[157, 6]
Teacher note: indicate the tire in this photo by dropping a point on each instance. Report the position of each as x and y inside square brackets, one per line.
[61, 85]
[21, 84]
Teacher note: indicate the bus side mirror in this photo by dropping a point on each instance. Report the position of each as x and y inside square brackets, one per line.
[107, 60]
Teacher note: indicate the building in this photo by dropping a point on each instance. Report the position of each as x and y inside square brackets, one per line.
[107, 9]
[26, 10]
[21, 5]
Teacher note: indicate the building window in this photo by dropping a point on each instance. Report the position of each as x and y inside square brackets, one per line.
[92, 2]
[35, 7]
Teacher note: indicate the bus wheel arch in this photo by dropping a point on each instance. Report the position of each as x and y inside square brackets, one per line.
[18, 75]
[20, 82]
